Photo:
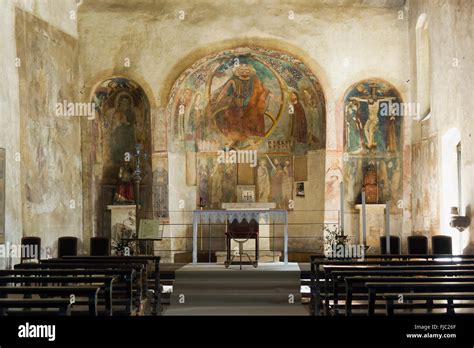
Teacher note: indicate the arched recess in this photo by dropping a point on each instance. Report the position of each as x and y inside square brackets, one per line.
[247, 98]
[122, 120]
[373, 135]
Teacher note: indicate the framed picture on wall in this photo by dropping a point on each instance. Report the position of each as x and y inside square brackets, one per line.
[300, 189]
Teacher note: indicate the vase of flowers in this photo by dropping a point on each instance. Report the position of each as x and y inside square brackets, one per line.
[333, 237]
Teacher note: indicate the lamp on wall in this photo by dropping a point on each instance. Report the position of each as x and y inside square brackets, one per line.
[457, 221]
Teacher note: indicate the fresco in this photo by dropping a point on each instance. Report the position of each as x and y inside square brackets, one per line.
[274, 179]
[425, 193]
[372, 135]
[367, 129]
[217, 182]
[160, 186]
[247, 98]
[123, 112]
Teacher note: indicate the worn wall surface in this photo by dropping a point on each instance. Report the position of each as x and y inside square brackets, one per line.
[50, 142]
[450, 25]
[67, 54]
[58, 14]
[340, 42]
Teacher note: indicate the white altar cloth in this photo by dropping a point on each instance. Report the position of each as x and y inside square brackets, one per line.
[222, 216]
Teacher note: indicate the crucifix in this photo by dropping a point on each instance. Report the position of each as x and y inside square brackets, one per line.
[373, 104]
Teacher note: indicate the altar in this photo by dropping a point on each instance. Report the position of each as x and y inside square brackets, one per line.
[260, 212]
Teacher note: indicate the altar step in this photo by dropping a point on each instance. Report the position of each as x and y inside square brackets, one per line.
[211, 289]
[252, 310]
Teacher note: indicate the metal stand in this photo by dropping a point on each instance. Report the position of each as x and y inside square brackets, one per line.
[241, 242]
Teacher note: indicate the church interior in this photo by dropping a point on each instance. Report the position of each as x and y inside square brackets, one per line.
[248, 157]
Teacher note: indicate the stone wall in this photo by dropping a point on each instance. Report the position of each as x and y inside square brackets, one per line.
[450, 26]
[20, 215]
[156, 42]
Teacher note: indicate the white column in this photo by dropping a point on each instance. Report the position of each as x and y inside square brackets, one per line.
[387, 226]
[364, 221]
[341, 186]
[195, 231]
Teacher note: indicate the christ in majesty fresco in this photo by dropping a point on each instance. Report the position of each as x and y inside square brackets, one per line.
[239, 106]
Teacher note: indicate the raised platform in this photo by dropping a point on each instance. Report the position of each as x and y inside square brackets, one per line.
[211, 289]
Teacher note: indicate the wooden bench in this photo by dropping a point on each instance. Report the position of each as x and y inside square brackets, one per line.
[362, 281]
[46, 280]
[63, 306]
[337, 276]
[153, 272]
[91, 292]
[132, 285]
[141, 266]
[450, 297]
[375, 260]
[427, 286]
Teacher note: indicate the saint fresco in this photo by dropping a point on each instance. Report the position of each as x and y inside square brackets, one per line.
[124, 121]
[372, 135]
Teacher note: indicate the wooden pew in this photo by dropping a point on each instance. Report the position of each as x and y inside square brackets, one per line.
[91, 292]
[106, 262]
[126, 273]
[64, 306]
[450, 297]
[154, 272]
[317, 261]
[417, 286]
[337, 274]
[362, 281]
[46, 280]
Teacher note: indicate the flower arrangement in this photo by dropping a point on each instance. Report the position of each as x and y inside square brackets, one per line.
[333, 237]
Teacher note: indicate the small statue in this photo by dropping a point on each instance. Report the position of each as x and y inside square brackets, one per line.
[124, 191]
[370, 185]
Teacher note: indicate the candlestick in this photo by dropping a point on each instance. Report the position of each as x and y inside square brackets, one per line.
[341, 186]
[137, 178]
[364, 221]
[387, 226]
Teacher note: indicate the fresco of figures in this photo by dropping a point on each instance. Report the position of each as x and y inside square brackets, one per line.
[217, 182]
[247, 98]
[371, 126]
[274, 180]
[124, 121]
[160, 186]
[372, 135]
